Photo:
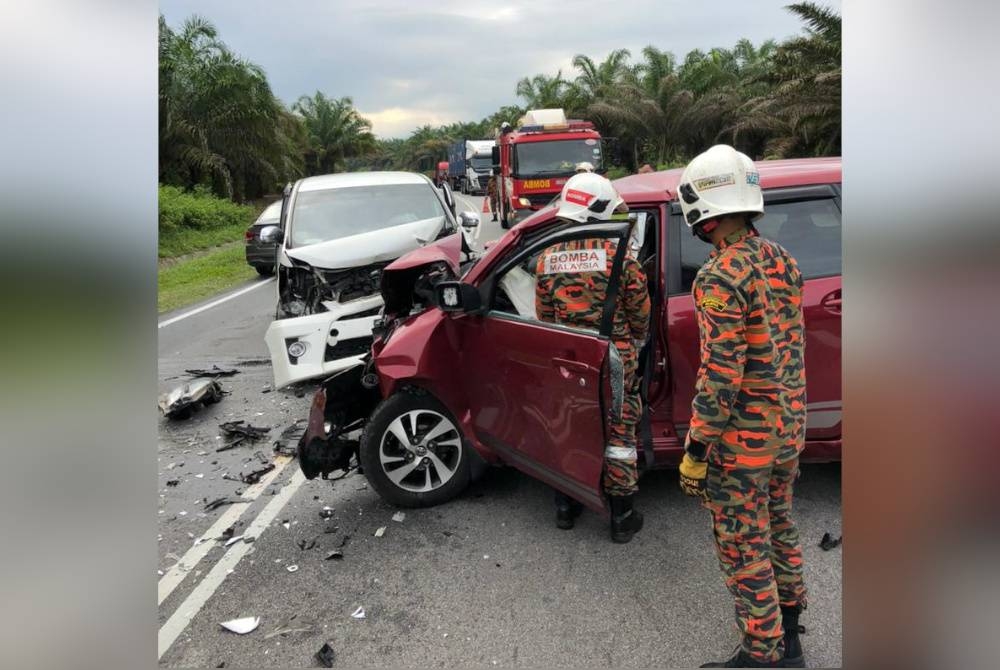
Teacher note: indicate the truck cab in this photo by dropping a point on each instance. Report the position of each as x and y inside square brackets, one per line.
[534, 160]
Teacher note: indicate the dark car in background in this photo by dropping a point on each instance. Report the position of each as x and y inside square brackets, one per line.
[262, 255]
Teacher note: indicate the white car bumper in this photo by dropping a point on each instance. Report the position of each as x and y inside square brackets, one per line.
[317, 332]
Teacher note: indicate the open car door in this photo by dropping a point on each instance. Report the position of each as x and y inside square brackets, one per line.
[539, 393]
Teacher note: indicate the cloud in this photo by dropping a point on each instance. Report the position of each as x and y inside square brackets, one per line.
[415, 63]
[401, 121]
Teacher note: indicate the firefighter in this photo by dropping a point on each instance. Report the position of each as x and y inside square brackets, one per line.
[577, 299]
[491, 192]
[749, 411]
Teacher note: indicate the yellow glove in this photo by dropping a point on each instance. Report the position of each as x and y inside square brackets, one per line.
[692, 477]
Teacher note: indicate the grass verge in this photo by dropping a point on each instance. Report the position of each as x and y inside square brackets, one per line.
[183, 241]
[192, 279]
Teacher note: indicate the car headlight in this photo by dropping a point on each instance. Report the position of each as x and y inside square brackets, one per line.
[524, 202]
[297, 349]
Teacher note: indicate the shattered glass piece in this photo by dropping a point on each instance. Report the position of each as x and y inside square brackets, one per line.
[359, 613]
[399, 517]
[380, 532]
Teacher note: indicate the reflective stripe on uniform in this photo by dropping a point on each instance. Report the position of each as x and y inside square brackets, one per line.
[620, 453]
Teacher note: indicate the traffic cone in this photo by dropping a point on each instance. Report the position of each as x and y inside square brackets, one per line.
[486, 205]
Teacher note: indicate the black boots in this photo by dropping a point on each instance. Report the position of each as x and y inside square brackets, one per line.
[793, 647]
[567, 510]
[740, 659]
[625, 521]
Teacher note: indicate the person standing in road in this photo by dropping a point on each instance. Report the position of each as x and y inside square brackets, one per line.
[748, 415]
[577, 299]
[491, 192]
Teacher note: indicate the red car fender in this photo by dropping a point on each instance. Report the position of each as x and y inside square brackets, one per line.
[423, 352]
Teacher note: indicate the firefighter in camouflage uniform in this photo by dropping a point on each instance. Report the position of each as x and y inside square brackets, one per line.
[491, 193]
[576, 298]
[749, 410]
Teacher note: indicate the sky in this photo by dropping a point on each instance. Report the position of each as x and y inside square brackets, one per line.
[406, 63]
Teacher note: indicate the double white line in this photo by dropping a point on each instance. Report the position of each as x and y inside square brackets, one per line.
[179, 620]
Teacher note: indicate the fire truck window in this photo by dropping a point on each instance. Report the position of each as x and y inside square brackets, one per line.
[547, 159]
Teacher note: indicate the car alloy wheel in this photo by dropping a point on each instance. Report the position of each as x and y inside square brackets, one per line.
[420, 451]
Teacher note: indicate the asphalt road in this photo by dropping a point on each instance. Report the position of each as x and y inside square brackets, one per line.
[483, 581]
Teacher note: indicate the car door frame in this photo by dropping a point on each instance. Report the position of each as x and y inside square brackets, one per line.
[590, 495]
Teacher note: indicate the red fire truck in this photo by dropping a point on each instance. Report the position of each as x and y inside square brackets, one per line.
[535, 160]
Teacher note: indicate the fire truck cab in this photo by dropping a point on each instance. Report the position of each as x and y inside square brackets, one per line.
[534, 160]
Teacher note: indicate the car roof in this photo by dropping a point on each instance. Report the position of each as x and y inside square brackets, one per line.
[773, 174]
[349, 179]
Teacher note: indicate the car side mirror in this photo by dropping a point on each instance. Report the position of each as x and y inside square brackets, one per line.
[270, 235]
[469, 219]
[456, 296]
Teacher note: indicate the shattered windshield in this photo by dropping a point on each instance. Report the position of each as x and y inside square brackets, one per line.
[320, 216]
[556, 158]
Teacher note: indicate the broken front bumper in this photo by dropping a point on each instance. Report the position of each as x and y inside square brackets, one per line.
[329, 342]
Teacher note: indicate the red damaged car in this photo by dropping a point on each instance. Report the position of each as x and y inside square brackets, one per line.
[462, 375]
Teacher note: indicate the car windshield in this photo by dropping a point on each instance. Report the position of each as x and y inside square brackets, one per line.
[325, 215]
[535, 159]
[482, 164]
[271, 213]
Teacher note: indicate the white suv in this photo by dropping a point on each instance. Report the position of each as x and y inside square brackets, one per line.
[338, 232]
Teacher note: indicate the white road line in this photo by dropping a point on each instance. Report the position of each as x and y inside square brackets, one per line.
[175, 575]
[214, 303]
[182, 616]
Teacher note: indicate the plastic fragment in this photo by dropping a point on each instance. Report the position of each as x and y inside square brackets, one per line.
[380, 532]
[241, 626]
[399, 517]
[359, 613]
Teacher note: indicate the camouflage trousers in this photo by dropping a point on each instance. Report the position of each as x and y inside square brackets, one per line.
[621, 474]
[758, 547]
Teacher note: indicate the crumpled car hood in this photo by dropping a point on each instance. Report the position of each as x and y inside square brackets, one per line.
[368, 248]
[400, 277]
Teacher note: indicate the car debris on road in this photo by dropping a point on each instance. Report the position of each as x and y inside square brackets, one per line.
[326, 655]
[180, 402]
[219, 502]
[241, 626]
[359, 613]
[828, 543]
[288, 440]
[239, 432]
[380, 532]
[290, 626]
[215, 372]
[399, 517]
[254, 477]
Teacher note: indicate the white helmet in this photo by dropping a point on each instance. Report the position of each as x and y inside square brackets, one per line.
[588, 196]
[717, 182]
[585, 166]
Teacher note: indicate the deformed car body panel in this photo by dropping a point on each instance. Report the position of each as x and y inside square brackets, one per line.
[384, 244]
[326, 336]
[179, 402]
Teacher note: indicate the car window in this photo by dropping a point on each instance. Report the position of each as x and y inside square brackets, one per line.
[808, 229]
[541, 286]
[319, 216]
[271, 213]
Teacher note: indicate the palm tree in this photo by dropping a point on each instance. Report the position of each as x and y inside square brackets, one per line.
[220, 124]
[335, 130]
[542, 91]
[800, 112]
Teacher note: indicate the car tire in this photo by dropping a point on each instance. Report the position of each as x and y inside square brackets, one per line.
[264, 270]
[383, 456]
